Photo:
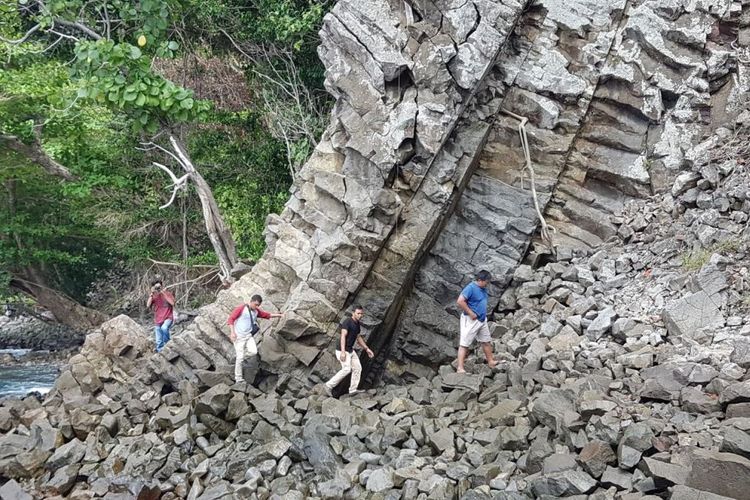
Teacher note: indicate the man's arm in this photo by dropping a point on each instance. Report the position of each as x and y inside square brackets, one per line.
[267, 315]
[232, 318]
[150, 300]
[168, 297]
[343, 344]
[465, 307]
[361, 342]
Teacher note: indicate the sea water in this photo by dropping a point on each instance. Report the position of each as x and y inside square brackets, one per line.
[21, 380]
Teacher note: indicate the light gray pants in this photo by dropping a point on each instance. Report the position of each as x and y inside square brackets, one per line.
[350, 365]
[243, 346]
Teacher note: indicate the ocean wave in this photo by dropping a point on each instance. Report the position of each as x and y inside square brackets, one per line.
[16, 353]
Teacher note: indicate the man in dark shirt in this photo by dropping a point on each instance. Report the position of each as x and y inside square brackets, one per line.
[350, 329]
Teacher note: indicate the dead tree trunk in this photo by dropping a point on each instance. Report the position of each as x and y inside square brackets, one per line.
[218, 232]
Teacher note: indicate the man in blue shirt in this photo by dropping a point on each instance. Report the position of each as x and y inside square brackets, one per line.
[473, 303]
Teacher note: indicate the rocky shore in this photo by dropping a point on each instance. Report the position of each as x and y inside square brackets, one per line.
[25, 332]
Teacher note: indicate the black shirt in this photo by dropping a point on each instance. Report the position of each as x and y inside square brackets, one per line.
[352, 332]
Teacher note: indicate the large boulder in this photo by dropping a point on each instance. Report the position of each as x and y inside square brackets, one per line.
[688, 315]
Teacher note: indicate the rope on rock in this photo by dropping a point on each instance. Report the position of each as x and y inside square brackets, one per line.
[547, 231]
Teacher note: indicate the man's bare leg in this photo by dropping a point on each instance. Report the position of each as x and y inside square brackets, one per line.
[462, 353]
[487, 348]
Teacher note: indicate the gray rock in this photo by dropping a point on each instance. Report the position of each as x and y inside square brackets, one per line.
[686, 316]
[681, 492]
[442, 440]
[602, 323]
[334, 488]
[696, 401]
[614, 476]
[638, 436]
[462, 381]
[556, 410]
[380, 480]
[664, 472]
[62, 481]
[317, 447]
[738, 410]
[67, 454]
[558, 463]
[569, 482]
[736, 441]
[720, 473]
[661, 383]
[684, 181]
[13, 491]
[738, 392]
[214, 401]
[595, 457]
[628, 457]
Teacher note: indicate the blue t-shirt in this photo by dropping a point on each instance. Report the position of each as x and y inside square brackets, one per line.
[476, 299]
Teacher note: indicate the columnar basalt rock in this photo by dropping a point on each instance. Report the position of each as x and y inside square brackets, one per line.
[419, 179]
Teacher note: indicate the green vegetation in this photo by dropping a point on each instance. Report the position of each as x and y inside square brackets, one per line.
[693, 260]
[91, 92]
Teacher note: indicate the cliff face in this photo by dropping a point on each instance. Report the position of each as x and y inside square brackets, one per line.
[419, 181]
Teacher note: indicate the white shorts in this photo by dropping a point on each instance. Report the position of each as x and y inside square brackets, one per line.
[473, 329]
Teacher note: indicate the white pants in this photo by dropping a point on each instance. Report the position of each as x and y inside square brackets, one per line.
[243, 346]
[473, 329]
[350, 365]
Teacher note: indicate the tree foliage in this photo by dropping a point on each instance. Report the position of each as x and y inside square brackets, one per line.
[81, 83]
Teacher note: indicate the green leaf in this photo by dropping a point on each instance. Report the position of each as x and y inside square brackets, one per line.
[135, 52]
[173, 45]
[186, 103]
[140, 100]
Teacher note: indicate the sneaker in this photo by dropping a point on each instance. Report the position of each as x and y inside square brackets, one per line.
[355, 391]
[327, 390]
[239, 381]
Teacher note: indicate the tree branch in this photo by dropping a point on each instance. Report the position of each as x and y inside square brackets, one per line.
[23, 38]
[80, 27]
[35, 153]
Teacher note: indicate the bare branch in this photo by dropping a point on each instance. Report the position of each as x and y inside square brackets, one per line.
[149, 146]
[177, 183]
[107, 23]
[178, 264]
[23, 38]
[235, 44]
[60, 38]
[80, 27]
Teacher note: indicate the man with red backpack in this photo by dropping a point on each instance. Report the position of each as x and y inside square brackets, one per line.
[243, 324]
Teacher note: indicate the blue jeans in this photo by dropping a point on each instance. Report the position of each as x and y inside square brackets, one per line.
[161, 334]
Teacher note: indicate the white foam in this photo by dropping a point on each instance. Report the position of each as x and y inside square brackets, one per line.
[40, 390]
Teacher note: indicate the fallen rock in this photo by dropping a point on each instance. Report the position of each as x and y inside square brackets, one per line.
[686, 316]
